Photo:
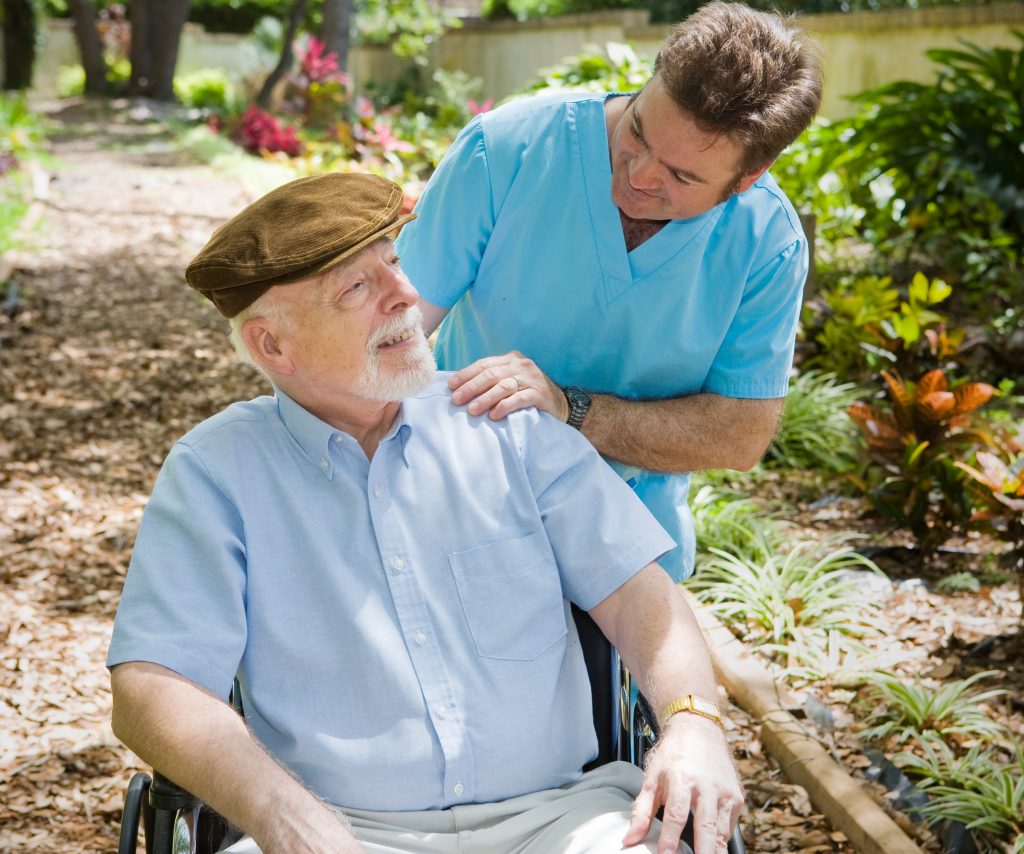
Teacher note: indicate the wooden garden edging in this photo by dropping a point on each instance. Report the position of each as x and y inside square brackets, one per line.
[804, 761]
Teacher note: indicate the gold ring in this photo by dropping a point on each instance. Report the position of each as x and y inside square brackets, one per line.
[519, 383]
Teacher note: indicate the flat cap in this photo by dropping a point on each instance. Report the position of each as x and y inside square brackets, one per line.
[297, 231]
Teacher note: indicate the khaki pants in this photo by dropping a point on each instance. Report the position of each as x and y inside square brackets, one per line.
[587, 817]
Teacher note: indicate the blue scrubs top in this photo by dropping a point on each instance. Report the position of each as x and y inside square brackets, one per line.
[518, 234]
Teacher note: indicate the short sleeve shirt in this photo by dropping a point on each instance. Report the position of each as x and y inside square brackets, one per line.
[517, 233]
[399, 626]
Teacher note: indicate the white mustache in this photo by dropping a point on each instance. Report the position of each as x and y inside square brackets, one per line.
[410, 318]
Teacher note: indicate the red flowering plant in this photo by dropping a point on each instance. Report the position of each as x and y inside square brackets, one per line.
[320, 90]
[261, 133]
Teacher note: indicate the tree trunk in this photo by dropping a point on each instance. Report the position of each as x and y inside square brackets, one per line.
[334, 31]
[284, 64]
[89, 46]
[156, 35]
[19, 25]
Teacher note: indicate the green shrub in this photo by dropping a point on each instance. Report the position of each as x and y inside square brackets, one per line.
[938, 169]
[71, 78]
[207, 89]
[235, 16]
[617, 69]
[863, 325]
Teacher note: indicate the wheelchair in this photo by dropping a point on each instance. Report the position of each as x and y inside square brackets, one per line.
[176, 822]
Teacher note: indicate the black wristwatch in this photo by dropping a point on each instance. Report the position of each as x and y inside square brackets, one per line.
[579, 404]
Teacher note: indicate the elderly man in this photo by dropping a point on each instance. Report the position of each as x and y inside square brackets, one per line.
[626, 263]
[388, 579]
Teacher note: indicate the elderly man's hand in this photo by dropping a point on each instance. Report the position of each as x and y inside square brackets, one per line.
[499, 385]
[689, 770]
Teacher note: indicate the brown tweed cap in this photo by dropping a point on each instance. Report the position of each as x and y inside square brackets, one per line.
[294, 232]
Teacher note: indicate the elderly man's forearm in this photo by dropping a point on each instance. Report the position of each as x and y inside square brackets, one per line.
[703, 431]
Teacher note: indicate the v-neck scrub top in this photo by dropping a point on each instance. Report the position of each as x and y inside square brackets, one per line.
[517, 233]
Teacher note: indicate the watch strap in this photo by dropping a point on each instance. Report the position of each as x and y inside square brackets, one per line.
[694, 705]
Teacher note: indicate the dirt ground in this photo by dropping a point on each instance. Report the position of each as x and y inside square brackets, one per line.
[109, 359]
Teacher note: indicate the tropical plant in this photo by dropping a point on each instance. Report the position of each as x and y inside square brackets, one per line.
[815, 431]
[907, 711]
[938, 169]
[868, 326]
[617, 69]
[975, 788]
[913, 445]
[809, 590]
[999, 490]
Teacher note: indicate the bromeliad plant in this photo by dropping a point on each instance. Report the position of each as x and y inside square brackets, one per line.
[913, 445]
[953, 711]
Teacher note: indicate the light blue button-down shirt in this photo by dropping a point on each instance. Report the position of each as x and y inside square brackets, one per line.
[518, 234]
[399, 626]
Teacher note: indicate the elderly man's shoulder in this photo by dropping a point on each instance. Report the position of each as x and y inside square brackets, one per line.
[227, 426]
[434, 403]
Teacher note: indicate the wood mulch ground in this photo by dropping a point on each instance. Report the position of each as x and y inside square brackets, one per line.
[109, 359]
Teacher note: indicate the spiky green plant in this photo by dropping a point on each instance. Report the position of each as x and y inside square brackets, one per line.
[840, 661]
[912, 711]
[735, 525]
[976, 789]
[778, 598]
[815, 431]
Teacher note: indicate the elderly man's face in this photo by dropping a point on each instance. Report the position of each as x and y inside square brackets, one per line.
[356, 331]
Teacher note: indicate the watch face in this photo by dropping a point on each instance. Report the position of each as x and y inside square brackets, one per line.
[705, 706]
[578, 396]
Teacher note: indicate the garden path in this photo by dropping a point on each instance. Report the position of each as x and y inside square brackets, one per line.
[108, 361]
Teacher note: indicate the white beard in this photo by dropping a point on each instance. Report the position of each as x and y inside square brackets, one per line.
[417, 368]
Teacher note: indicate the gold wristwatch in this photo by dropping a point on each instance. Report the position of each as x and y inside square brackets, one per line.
[694, 705]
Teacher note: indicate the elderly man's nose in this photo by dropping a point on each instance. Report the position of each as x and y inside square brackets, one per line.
[400, 292]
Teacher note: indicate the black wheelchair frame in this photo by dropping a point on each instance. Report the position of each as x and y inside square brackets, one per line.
[175, 822]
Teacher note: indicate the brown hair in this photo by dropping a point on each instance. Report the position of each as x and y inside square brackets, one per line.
[744, 73]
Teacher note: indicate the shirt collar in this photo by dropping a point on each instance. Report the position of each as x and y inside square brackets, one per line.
[315, 436]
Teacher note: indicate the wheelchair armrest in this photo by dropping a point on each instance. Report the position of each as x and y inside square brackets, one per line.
[164, 794]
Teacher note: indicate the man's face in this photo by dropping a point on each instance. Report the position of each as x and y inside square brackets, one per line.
[665, 167]
[356, 332]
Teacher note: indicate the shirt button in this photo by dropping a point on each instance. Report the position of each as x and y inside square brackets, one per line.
[377, 492]
[420, 638]
[442, 712]
[459, 788]
[324, 463]
[398, 564]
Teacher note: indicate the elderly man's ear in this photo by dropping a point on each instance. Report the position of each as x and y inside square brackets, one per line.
[261, 338]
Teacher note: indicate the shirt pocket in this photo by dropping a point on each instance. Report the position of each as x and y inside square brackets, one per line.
[512, 597]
